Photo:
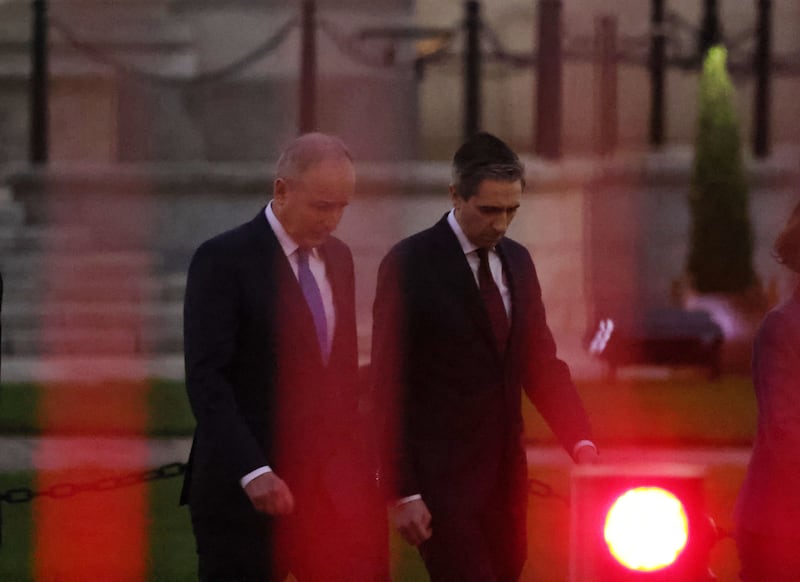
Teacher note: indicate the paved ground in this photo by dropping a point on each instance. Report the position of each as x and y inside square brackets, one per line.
[170, 366]
[127, 453]
[96, 368]
[22, 453]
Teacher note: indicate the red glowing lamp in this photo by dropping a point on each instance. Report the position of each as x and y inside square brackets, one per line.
[646, 529]
[639, 522]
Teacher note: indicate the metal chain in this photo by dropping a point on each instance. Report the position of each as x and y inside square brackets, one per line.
[634, 50]
[348, 45]
[220, 74]
[541, 489]
[67, 489]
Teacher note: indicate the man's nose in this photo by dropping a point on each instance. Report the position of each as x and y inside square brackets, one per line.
[501, 223]
[332, 219]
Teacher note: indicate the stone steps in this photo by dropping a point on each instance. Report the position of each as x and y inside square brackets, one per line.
[104, 304]
[62, 296]
[87, 341]
[99, 315]
[22, 239]
[53, 268]
[168, 287]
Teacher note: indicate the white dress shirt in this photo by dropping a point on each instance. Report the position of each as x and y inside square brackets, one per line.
[315, 263]
[320, 273]
[495, 264]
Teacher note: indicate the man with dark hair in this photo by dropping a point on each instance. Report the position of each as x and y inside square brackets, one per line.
[459, 331]
[278, 480]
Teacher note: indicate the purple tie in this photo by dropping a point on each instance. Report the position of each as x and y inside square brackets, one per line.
[314, 299]
[493, 300]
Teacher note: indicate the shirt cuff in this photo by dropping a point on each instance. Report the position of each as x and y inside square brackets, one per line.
[580, 444]
[405, 500]
[253, 474]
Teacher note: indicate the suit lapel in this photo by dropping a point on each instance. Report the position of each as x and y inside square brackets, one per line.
[336, 277]
[456, 272]
[512, 270]
[518, 269]
[291, 306]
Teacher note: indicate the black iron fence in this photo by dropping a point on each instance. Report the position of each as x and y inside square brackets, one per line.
[670, 41]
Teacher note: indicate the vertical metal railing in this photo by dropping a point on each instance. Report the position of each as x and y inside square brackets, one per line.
[472, 68]
[658, 53]
[39, 111]
[307, 115]
[762, 64]
[710, 29]
[605, 103]
[548, 82]
[547, 61]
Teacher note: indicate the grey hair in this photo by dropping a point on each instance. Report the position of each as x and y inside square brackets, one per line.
[308, 150]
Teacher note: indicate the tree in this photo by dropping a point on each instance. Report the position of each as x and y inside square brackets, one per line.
[721, 246]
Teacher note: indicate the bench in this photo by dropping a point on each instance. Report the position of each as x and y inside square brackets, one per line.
[659, 337]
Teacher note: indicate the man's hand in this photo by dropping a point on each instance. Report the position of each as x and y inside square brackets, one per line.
[270, 494]
[587, 455]
[413, 520]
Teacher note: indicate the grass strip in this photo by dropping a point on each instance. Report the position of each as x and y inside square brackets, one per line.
[678, 411]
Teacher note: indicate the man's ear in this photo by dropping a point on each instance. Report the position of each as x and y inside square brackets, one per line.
[455, 197]
[279, 188]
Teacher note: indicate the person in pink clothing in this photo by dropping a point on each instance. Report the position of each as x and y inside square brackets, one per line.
[768, 508]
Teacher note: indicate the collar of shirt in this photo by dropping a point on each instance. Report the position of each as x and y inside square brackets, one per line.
[465, 243]
[495, 264]
[315, 264]
[287, 243]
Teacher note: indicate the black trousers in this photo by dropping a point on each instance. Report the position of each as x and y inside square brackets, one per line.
[315, 544]
[479, 544]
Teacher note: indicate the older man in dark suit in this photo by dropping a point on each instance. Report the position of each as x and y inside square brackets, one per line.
[278, 480]
[459, 330]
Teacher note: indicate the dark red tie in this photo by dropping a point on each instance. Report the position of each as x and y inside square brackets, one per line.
[493, 300]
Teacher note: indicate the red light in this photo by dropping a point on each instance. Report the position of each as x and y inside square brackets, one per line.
[646, 529]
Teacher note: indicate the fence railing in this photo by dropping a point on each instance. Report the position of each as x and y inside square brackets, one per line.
[670, 41]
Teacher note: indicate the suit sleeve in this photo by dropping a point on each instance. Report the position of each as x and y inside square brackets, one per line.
[548, 382]
[387, 377]
[211, 312]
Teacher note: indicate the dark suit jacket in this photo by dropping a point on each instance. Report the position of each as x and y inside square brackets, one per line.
[769, 502]
[255, 377]
[435, 359]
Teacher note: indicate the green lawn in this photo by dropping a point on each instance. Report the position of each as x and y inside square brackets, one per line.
[16, 524]
[683, 411]
[157, 408]
[171, 551]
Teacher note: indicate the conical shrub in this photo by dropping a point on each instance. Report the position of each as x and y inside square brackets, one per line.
[721, 247]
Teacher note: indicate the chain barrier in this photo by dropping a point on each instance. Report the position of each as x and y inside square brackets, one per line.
[68, 489]
[681, 49]
[350, 46]
[207, 77]
[679, 34]
[541, 489]
[499, 52]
